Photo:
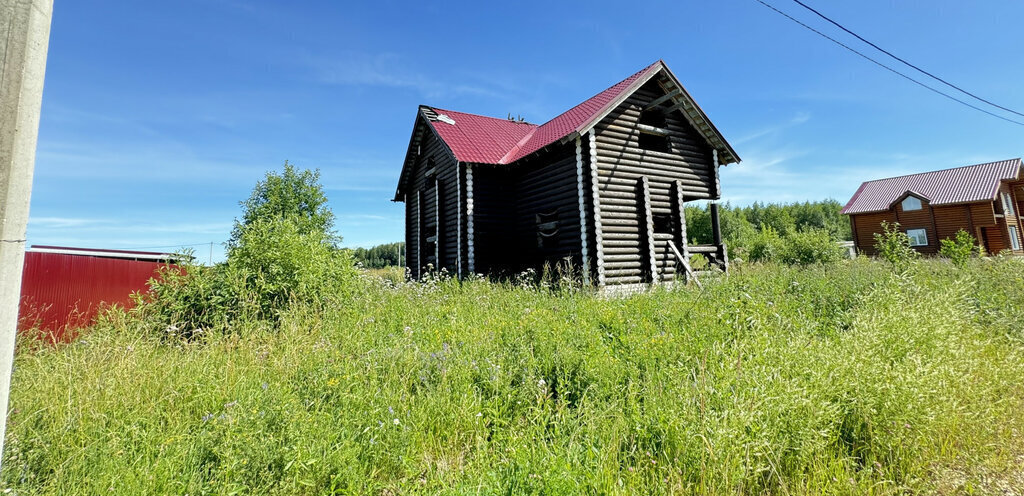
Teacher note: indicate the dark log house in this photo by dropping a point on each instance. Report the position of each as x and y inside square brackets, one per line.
[601, 186]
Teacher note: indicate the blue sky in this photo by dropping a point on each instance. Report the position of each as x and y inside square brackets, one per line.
[159, 117]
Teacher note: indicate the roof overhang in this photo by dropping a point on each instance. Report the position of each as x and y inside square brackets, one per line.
[681, 100]
[420, 126]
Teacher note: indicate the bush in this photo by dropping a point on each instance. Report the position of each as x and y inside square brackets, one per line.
[810, 247]
[281, 251]
[278, 262]
[959, 248]
[188, 299]
[765, 246]
[893, 245]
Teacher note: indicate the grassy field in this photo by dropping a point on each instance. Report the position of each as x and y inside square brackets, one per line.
[841, 380]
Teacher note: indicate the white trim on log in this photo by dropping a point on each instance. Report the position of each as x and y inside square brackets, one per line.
[583, 212]
[596, 194]
[681, 201]
[419, 233]
[437, 224]
[458, 217]
[718, 183]
[470, 258]
[405, 245]
[645, 193]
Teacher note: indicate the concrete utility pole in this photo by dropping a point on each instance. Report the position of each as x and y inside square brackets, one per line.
[24, 39]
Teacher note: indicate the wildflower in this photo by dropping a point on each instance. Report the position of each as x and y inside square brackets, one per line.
[396, 422]
[479, 414]
[264, 386]
[541, 383]
[208, 417]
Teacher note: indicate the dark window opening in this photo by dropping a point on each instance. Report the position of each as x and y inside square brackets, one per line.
[547, 227]
[663, 224]
[654, 142]
[654, 118]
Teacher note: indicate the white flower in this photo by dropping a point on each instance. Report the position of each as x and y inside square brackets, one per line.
[480, 414]
[396, 422]
[541, 383]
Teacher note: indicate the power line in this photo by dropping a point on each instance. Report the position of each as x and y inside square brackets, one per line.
[890, 69]
[933, 76]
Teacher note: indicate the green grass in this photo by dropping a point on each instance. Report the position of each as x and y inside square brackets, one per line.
[829, 380]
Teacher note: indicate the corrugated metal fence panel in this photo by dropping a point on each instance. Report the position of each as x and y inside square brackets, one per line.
[62, 292]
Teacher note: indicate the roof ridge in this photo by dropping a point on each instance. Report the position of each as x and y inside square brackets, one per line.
[941, 170]
[500, 119]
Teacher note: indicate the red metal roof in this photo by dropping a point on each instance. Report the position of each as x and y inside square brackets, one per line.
[479, 139]
[972, 183]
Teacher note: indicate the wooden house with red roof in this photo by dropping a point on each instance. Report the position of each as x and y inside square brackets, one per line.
[601, 186]
[982, 199]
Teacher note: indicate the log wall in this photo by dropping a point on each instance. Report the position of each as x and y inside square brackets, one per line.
[425, 197]
[621, 163]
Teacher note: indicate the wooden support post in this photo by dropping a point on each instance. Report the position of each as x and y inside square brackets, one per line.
[662, 99]
[716, 227]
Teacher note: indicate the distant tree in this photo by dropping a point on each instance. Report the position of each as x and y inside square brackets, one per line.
[376, 257]
[296, 195]
[741, 226]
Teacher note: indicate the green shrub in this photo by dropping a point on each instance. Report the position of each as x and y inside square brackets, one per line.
[959, 248]
[765, 246]
[279, 262]
[893, 245]
[189, 299]
[810, 247]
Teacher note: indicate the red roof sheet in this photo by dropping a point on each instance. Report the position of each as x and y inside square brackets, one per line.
[960, 185]
[479, 139]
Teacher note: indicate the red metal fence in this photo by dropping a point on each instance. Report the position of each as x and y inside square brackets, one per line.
[61, 292]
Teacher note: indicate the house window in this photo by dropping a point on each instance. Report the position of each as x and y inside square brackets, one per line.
[547, 228]
[662, 223]
[652, 141]
[918, 237]
[1008, 205]
[911, 203]
[1014, 238]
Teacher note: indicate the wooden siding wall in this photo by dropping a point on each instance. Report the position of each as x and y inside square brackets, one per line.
[621, 163]
[507, 201]
[919, 219]
[548, 187]
[866, 225]
[1011, 220]
[445, 172]
[941, 222]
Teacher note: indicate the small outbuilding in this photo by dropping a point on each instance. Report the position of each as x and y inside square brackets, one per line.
[981, 199]
[63, 288]
[600, 188]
